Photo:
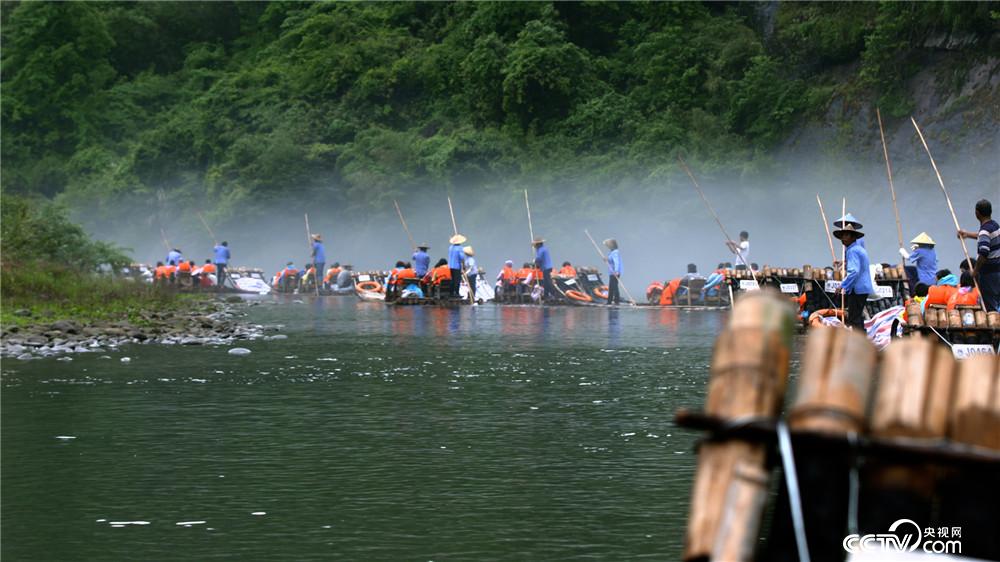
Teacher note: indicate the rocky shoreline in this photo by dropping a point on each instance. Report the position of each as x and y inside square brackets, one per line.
[212, 322]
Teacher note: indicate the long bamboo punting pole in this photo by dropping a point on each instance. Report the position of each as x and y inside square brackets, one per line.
[406, 228]
[316, 274]
[711, 210]
[531, 230]
[600, 253]
[888, 171]
[950, 206]
[826, 228]
[843, 264]
[163, 237]
[454, 225]
[208, 228]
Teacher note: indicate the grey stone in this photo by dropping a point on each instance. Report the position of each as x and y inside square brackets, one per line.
[22, 312]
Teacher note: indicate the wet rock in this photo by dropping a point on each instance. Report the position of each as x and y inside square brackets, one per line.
[66, 327]
[191, 341]
[275, 337]
[239, 351]
[126, 359]
[25, 357]
[36, 341]
[22, 312]
[13, 329]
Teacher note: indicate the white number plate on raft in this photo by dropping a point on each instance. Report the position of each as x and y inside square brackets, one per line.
[963, 350]
[749, 285]
[364, 278]
[591, 277]
[831, 285]
[790, 288]
[883, 292]
[570, 282]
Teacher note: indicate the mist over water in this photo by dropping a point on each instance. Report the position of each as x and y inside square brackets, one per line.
[659, 222]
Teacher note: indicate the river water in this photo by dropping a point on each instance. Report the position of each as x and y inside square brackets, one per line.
[371, 433]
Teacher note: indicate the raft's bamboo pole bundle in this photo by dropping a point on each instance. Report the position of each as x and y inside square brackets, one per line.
[209, 229]
[748, 376]
[838, 368]
[316, 274]
[711, 210]
[975, 408]
[888, 170]
[406, 228]
[603, 257]
[915, 388]
[950, 206]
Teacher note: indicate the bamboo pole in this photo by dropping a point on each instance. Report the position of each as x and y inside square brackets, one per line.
[406, 228]
[316, 274]
[711, 210]
[455, 227]
[600, 253]
[531, 230]
[888, 171]
[209, 229]
[951, 207]
[163, 237]
[843, 265]
[826, 228]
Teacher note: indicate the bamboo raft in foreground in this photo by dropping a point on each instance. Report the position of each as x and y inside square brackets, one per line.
[911, 433]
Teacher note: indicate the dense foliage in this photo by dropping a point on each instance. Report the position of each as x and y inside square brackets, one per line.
[35, 231]
[238, 103]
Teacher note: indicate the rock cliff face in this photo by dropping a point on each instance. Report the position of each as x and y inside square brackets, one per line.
[956, 105]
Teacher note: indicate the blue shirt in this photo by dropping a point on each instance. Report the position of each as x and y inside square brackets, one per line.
[173, 258]
[456, 257]
[319, 254]
[614, 263]
[542, 258]
[221, 255]
[421, 262]
[858, 281]
[470, 264]
[925, 259]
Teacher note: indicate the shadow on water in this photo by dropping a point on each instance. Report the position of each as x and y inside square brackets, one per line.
[372, 432]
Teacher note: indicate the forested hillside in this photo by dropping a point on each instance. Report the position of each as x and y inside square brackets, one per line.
[238, 104]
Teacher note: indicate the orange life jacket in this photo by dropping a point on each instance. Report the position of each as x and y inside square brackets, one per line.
[208, 268]
[331, 274]
[667, 296]
[440, 273]
[939, 294]
[184, 267]
[970, 298]
[508, 275]
[161, 272]
[170, 270]
[567, 271]
[405, 275]
[288, 272]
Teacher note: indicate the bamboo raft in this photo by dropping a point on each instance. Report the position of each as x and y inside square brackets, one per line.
[916, 431]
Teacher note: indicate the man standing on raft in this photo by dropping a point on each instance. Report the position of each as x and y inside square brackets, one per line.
[857, 284]
[614, 270]
[986, 268]
[741, 249]
[543, 261]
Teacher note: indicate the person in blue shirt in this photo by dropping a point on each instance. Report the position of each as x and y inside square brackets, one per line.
[923, 259]
[318, 255]
[614, 271]
[456, 261]
[421, 260]
[986, 269]
[174, 257]
[543, 261]
[221, 260]
[857, 284]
